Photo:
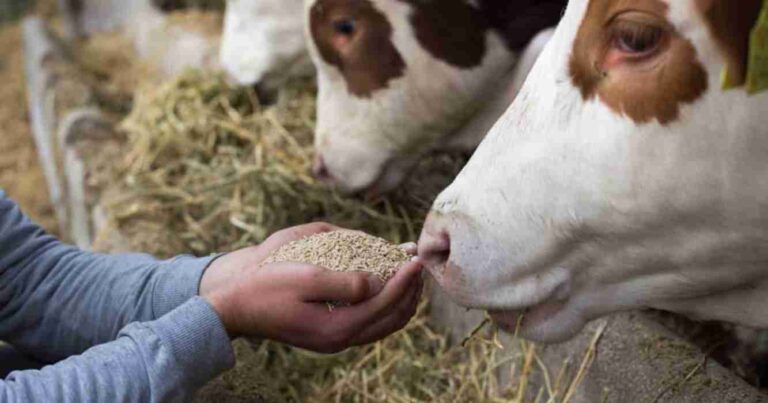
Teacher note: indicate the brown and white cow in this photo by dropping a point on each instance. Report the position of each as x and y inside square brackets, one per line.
[263, 42]
[400, 78]
[169, 42]
[624, 176]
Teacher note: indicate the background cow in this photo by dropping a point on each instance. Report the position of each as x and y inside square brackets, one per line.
[400, 78]
[169, 42]
[623, 176]
[263, 42]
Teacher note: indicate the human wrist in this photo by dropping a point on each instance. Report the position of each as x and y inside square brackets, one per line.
[196, 335]
[176, 281]
[224, 306]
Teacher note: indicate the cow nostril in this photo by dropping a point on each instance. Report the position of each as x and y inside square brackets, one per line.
[320, 170]
[435, 249]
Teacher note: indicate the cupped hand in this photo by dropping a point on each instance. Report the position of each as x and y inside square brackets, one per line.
[286, 302]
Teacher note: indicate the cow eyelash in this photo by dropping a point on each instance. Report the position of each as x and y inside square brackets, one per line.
[637, 39]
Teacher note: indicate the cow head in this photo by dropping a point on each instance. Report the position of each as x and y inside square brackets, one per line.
[396, 79]
[263, 42]
[625, 175]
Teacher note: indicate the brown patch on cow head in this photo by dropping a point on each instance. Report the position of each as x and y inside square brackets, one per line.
[730, 23]
[519, 21]
[628, 55]
[455, 31]
[356, 38]
[450, 30]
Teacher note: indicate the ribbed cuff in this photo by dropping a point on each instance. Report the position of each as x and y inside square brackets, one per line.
[197, 339]
[178, 282]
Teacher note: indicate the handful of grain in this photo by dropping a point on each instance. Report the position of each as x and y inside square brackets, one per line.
[344, 251]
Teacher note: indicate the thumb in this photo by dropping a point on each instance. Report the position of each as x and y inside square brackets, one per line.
[350, 287]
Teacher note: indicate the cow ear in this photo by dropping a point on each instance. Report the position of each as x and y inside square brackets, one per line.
[730, 24]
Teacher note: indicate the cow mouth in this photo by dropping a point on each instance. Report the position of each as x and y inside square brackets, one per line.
[519, 318]
[393, 174]
[516, 321]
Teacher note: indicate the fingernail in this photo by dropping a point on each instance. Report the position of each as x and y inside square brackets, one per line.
[410, 248]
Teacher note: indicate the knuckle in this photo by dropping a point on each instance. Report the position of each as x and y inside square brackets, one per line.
[280, 234]
[310, 275]
[318, 227]
[323, 225]
[358, 287]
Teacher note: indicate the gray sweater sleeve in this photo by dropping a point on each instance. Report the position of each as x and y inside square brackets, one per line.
[161, 361]
[54, 292]
[57, 302]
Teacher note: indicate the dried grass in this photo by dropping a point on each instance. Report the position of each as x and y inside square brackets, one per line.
[213, 170]
[209, 169]
[110, 63]
[418, 364]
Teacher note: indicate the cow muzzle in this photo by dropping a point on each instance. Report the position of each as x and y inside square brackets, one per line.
[476, 273]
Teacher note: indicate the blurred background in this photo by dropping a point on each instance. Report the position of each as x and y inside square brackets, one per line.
[178, 159]
[13, 9]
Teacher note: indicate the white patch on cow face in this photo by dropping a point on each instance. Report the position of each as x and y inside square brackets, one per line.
[572, 210]
[264, 42]
[367, 141]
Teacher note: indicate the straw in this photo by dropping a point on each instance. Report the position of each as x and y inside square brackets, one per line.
[207, 169]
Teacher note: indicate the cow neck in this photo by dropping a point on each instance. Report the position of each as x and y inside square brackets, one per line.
[471, 134]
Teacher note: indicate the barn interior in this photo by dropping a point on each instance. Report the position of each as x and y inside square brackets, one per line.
[119, 147]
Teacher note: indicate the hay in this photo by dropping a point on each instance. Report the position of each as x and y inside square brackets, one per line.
[417, 364]
[206, 23]
[209, 169]
[344, 251]
[114, 70]
[212, 170]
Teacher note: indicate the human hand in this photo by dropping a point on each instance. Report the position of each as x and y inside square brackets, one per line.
[286, 302]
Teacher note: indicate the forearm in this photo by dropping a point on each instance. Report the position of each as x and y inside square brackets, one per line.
[160, 361]
[50, 291]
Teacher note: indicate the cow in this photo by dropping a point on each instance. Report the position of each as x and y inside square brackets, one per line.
[170, 43]
[263, 43]
[398, 79]
[631, 172]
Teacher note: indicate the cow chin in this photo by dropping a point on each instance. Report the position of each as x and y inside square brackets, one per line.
[480, 271]
[550, 322]
[529, 308]
[358, 168]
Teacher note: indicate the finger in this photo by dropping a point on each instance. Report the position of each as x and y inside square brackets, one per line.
[362, 315]
[392, 323]
[407, 276]
[410, 248]
[352, 287]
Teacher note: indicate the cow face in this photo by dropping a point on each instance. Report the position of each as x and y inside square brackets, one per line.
[623, 176]
[263, 42]
[396, 77]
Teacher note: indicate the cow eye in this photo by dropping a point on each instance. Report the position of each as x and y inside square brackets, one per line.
[344, 27]
[637, 39]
